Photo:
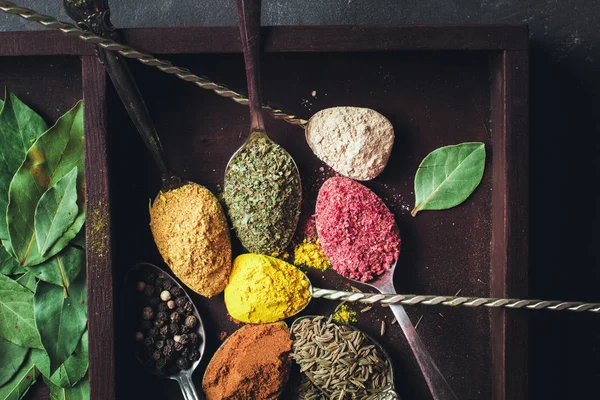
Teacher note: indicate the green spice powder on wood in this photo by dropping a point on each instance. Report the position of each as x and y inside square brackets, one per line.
[262, 192]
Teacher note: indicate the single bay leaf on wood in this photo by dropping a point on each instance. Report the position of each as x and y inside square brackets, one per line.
[61, 321]
[448, 175]
[28, 281]
[17, 323]
[81, 391]
[20, 126]
[11, 359]
[51, 157]
[56, 211]
[17, 387]
[75, 367]
[62, 268]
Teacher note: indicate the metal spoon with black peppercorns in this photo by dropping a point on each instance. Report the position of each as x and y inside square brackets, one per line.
[170, 337]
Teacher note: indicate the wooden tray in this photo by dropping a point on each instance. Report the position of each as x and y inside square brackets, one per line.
[438, 85]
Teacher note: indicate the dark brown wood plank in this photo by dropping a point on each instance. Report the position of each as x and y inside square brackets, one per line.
[98, 234]
[510, 224]
[282, 39]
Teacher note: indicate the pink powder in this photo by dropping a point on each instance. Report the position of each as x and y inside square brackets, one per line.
[356, 230]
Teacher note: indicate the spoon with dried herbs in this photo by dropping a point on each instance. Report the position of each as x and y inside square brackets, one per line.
[262, 189]
[169, 337]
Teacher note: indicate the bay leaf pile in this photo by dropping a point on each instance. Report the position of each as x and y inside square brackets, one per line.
[43, 293]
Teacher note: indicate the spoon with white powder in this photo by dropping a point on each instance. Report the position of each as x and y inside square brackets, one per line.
[356, 142]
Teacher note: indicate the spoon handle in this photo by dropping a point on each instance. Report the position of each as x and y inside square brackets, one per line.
[453, 301]
[249, 16]
[187, 387]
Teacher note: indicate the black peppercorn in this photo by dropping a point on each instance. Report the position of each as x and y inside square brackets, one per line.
[156, 355]
[164, 331]
[149, 290]
[170, 342]
[188, 307]
[173, 329]
[180, 301]
[153, 301]
[184, 329]
[180, 310]
[146, 325]
[184, 339]
[175, 317]
[194, 355]
[190, 321]
[185, 352]
[183, 363]
[147, 313]
[160, 344]
[167, 351]
[158, 323]
[167, 284]
[176, 291]
[153, 332]
[162, 316]
[178, 346]
[162, 307]
[148, 342]
[158, 282]
[193, 338]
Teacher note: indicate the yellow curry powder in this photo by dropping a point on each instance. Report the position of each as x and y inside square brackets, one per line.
[311, 255]
[191, 233]
[344, 314]
[264, 289]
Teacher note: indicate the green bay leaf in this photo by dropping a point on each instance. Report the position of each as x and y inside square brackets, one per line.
[8, 264]
[17, 387]
[56, 211]
[62, 268]
[20, 126]
[28, 281]
[448, 176]
[81, 391]
[17, 323]
[12, 357]
[75, 367]
[61, 320]
[51, 157]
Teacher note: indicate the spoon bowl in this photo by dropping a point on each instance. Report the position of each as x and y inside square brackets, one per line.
[183, 377]
[389, 391]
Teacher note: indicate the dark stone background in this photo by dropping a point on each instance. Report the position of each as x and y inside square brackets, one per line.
[565, 127]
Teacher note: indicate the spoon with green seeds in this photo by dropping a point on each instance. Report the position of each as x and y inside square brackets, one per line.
[262, 189]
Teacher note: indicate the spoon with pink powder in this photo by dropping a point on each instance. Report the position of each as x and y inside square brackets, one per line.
[361, 239]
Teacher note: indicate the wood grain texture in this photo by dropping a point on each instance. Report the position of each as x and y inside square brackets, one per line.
[510, 88]
[98, 234]
[282, 39]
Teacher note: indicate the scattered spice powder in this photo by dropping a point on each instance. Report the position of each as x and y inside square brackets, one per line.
[265, 289]
[344, 314]
[252, 364]
[310, 254]
[262, 192]
[356, 230]
[191, 233]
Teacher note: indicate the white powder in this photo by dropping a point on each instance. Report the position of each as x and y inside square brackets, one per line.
[356, 142]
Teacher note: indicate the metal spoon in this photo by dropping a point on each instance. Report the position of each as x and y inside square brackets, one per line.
[387, 393]
[249, 18]
[184, 377]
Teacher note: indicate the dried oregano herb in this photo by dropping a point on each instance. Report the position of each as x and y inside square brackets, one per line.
[262, 193]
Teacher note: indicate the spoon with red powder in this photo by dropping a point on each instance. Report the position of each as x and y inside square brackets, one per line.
[361, 239]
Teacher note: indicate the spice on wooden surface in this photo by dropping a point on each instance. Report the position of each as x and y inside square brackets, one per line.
[191, 233]
[356, 142]
[265, 289]
[310, 254]
[356, 230]
[338, 359]
[252, 364]
[262, 192]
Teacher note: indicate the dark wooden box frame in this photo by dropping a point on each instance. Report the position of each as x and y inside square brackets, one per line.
[509, 122]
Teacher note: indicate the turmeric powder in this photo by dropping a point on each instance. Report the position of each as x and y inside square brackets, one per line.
[311, 254]
[264, 289]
